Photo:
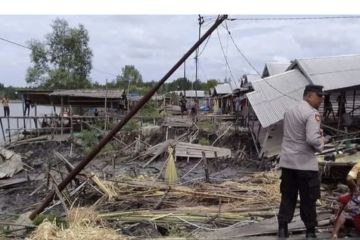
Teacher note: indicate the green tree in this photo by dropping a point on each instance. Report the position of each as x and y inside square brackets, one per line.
[9, 91]
[211, 83]
[179, 84]
[63, 60]
[129, 76]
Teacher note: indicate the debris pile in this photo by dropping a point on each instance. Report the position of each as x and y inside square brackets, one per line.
[83, 223]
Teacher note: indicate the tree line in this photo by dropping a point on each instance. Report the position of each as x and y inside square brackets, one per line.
[63, 60]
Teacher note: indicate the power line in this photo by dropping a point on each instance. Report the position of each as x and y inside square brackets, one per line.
[225, 57]
[15, 43]
[23, 46]
[241, 53]
[101, 71]
[252, 66]
[202, 50]
[293, 18]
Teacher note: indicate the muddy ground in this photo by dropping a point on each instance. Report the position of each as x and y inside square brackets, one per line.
[114, 161]
[118, 161]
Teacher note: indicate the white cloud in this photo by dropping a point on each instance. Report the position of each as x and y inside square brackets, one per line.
[154, 43]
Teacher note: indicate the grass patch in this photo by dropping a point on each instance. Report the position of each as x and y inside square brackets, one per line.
[89, 138]
[204, 141]
[51, 217]
[207, 126]
[131, 125]
[150, 110]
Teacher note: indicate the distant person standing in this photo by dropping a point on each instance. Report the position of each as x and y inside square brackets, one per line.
[27, 103]
[194, 111]
[341, 99]
[124, 101]
[183, 104]
[328, 109]
[5, 103]
[237, 101]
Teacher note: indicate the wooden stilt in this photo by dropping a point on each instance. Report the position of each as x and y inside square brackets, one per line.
[206, 167]
[18, 129]
[8, 121]
[2, 130]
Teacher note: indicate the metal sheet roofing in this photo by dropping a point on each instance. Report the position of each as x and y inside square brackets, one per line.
[192, 93]
[224, 88]
[252, 77]
[335, 72]
[91, 93]
[274, 68]
[270, 104]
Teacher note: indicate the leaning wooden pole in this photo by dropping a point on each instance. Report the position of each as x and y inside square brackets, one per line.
[117, 128]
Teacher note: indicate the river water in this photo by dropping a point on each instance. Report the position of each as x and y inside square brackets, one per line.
[16, 110]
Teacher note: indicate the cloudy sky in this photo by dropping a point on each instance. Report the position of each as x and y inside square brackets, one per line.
[154, 43]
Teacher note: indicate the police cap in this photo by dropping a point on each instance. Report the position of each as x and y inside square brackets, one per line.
[314, 88]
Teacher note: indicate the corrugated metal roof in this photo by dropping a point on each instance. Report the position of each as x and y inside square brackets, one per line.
[332, 72]
[252, 77]
[192, 93]
[273, 68]
[92, 93]
[269, 104]
[223, 88]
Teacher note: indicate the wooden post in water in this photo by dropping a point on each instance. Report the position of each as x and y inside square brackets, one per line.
[8, 121]
[18, 129]
[2, 129]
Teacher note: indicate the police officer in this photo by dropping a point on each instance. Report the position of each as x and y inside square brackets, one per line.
[302, 138]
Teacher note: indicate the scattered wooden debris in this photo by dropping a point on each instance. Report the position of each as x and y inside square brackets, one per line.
[187, 150]
[83, 224]
[11, 165]
[4, 183]
[184, 122]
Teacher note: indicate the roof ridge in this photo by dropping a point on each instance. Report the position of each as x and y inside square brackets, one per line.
[324, 57]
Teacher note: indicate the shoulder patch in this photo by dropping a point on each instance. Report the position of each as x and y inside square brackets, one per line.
[317, 117]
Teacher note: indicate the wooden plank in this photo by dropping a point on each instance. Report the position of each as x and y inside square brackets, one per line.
[10, 182]
[267, 226]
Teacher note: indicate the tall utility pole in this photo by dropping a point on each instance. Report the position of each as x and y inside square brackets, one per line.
[201, 21]
[185, 80]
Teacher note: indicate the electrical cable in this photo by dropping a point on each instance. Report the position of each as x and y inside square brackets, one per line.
[202, 50]
[15, 43]
[23, 46]
[225, 57]
[293, 18]
[252, 66]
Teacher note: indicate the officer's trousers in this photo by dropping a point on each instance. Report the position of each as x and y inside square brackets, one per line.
[307, 183]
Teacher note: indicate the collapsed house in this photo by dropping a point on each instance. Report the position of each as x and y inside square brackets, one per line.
[274, 94]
